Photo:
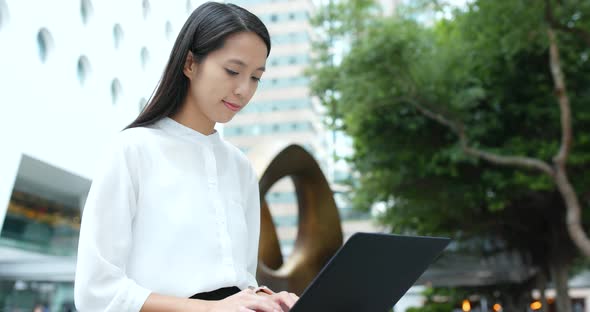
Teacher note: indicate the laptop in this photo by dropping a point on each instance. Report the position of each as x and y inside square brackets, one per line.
[370, 273]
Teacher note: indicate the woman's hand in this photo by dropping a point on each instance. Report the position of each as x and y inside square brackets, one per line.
[285, 299]
[246, 301]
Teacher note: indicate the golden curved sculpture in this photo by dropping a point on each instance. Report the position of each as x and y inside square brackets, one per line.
[319, 232]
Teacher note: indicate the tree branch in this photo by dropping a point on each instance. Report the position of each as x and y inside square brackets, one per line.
[552, 21]
[563, 99]
[514, 161]
[458, 129]
[572, 203]
[441, 119]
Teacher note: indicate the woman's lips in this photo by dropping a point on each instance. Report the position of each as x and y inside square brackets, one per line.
[231, 106]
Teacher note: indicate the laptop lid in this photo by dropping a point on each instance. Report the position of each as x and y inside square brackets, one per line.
[370, 273]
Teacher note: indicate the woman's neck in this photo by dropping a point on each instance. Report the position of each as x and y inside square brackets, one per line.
[189, 116]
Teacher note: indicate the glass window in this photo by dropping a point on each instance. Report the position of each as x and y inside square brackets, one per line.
[41, 225]
[3, 14]
[117, 35]
[282, 197]
[44, 44]
[255, 130]
[83, 69]
[146, 8]
[189, 7]
[86, 10]
[145, 57]
[116, 90]
[28, 295]
[168, 30]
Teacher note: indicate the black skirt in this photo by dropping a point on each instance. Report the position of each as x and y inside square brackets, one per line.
[219, 294]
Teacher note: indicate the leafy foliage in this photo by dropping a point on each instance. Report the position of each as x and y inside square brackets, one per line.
[487, 68]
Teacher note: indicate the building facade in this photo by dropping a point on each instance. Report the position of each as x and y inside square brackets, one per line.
[284, 110]
[74, 73]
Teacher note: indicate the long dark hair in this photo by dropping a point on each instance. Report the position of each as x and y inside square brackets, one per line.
[204, 32]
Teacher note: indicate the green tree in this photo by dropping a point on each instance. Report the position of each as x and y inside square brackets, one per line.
[445, 118]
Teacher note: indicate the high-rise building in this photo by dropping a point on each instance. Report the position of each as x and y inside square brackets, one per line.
[284, 110]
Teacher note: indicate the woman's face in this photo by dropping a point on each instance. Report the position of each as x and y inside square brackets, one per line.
[225, 81]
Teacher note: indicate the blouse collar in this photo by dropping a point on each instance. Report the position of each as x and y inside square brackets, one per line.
[173, 127]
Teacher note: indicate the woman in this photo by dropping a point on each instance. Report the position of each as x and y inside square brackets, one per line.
[175, 211]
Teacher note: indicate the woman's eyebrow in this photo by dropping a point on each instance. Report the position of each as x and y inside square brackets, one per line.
[242, 64]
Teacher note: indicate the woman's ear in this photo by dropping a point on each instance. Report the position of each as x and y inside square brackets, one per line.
[189, 65]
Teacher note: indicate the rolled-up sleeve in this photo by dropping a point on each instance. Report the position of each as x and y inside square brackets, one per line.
[101, 283]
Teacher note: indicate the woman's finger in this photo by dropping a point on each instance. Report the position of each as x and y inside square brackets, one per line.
[263, 304]
[285, 298]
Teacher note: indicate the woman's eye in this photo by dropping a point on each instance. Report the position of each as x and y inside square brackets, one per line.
[257, 79]
[231, 72]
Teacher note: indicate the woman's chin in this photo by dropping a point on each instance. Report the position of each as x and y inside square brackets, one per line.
[226, 118]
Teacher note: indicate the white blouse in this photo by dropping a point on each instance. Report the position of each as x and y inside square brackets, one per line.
[171, 211]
